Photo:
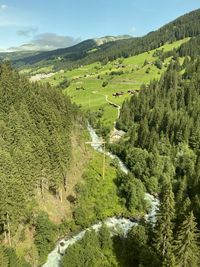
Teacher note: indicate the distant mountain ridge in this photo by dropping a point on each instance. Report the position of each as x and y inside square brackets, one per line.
[103, 40]
[110, 48]
[84, 45]
[29, 52]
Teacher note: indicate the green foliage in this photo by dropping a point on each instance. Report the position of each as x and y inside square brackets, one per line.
[190, 49]
[118, 72]
[45, 235]
[8, 258]
[145, 62]
[162, 142]
[163, 120]
[158, 63]
[94, 250]
[131, 191]
[185, 161]
[4, 261]
[35, 151]
[161, 148]
[97, 197]
[148, 70]
[135, 249]
[105, 83]
[164, 226]
[185, 26]
[64, 84]
[136, 160]
[187, 244]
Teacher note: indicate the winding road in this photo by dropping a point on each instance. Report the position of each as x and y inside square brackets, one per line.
[109, 102]
[115, 134]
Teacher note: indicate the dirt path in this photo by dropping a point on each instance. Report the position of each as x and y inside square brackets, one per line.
[115, 134]
[110, 102]
[114, 105]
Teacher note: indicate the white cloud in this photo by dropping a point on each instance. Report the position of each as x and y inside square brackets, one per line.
[50, 41]
[5, 21]
[27, 32]
[46, 42]
[132, 29]
[3, 6]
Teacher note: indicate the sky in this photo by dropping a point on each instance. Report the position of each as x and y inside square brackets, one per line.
[51, 24]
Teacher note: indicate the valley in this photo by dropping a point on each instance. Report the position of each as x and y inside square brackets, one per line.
[125, 75]
[100, 152]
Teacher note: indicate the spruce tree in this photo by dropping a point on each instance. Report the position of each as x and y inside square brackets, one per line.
[187, 246]
[3, 258]
[164, 227]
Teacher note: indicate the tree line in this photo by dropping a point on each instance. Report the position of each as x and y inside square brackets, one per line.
[161, 149]
[36, 123]
[187, 25]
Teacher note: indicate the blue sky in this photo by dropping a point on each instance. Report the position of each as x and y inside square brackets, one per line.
[50, 24]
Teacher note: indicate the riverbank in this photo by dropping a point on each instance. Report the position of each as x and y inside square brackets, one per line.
[123, 224]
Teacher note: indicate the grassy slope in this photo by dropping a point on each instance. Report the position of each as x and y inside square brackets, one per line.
[97, 198]
[57, 211]
[101, 199]
[91, 77]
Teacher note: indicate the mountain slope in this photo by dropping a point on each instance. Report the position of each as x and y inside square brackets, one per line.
[17, 55]
[36, 152]
[161, 143]
[89, 85]
[71, 54]
[88, 51]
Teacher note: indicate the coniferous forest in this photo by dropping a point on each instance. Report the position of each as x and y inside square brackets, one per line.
[160, 148]
[36, 124]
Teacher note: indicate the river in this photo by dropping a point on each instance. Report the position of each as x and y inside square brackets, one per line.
[115, 225]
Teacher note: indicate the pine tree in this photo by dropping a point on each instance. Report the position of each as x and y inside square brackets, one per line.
[182, 207]
[186, 246]
[164, 227]
[3, 258]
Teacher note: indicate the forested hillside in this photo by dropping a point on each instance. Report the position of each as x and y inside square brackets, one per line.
[159, 145]
[88, 51]
[36, 123]
[161, 148]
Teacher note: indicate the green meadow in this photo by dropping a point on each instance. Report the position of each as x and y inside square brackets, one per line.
[121, 75]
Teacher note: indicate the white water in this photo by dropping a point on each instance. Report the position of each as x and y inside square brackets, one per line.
[151, 199]
[151, 216]
[98, 147]
[115, 225]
